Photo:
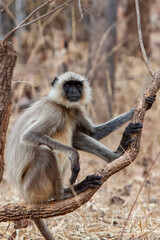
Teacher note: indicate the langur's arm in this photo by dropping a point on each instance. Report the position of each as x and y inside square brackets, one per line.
[101, 131]
[86, 143]
[36, 136]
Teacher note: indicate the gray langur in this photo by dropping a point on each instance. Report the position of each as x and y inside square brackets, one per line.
[46, 137]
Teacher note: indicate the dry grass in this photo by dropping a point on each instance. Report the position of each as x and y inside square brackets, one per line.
[104, 215]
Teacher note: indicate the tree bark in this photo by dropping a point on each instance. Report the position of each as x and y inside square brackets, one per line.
[12, 212]
[8, 58]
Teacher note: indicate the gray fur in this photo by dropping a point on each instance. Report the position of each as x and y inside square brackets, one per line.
[42, 140]
[33, 132]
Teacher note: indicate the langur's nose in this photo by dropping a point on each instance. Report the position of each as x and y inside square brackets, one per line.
[74, 90]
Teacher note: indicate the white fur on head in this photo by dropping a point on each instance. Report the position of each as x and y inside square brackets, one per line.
[57, 93]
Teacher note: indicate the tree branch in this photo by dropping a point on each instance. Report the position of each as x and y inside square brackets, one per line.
[150, 90]
[12, 212]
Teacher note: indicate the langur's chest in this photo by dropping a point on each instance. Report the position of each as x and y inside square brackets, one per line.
[64, 135]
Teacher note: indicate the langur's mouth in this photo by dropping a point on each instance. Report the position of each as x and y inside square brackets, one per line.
[74, 99]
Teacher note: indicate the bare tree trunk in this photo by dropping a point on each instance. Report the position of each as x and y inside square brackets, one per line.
[8, 58]
[102, 59]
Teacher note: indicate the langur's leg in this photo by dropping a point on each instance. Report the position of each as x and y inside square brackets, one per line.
[42, 180]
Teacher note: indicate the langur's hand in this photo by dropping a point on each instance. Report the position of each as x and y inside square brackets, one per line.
[150, 100]
[127, 135]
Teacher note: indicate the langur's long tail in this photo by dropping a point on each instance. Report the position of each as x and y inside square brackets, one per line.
[43, 229]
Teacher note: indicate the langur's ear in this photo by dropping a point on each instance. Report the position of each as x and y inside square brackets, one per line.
[54, 81]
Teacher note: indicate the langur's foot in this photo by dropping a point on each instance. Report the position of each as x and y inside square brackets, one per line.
[91, 181]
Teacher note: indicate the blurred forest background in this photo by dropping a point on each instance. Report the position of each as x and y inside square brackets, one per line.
[102, 44]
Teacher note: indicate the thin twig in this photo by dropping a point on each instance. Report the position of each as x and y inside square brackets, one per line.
[47, 14]
[80, 9]
[10, 14]
[29, 16]
[146, 234]
[34, 11]
[140, 190]
[141, 39]
[5, 5]
[37, 19]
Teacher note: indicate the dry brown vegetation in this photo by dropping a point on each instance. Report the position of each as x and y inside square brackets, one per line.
[104, 215]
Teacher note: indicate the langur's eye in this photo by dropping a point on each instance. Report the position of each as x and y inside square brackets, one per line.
[79, 86]
[67, 86]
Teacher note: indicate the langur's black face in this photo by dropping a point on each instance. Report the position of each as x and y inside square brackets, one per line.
[73, 90]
